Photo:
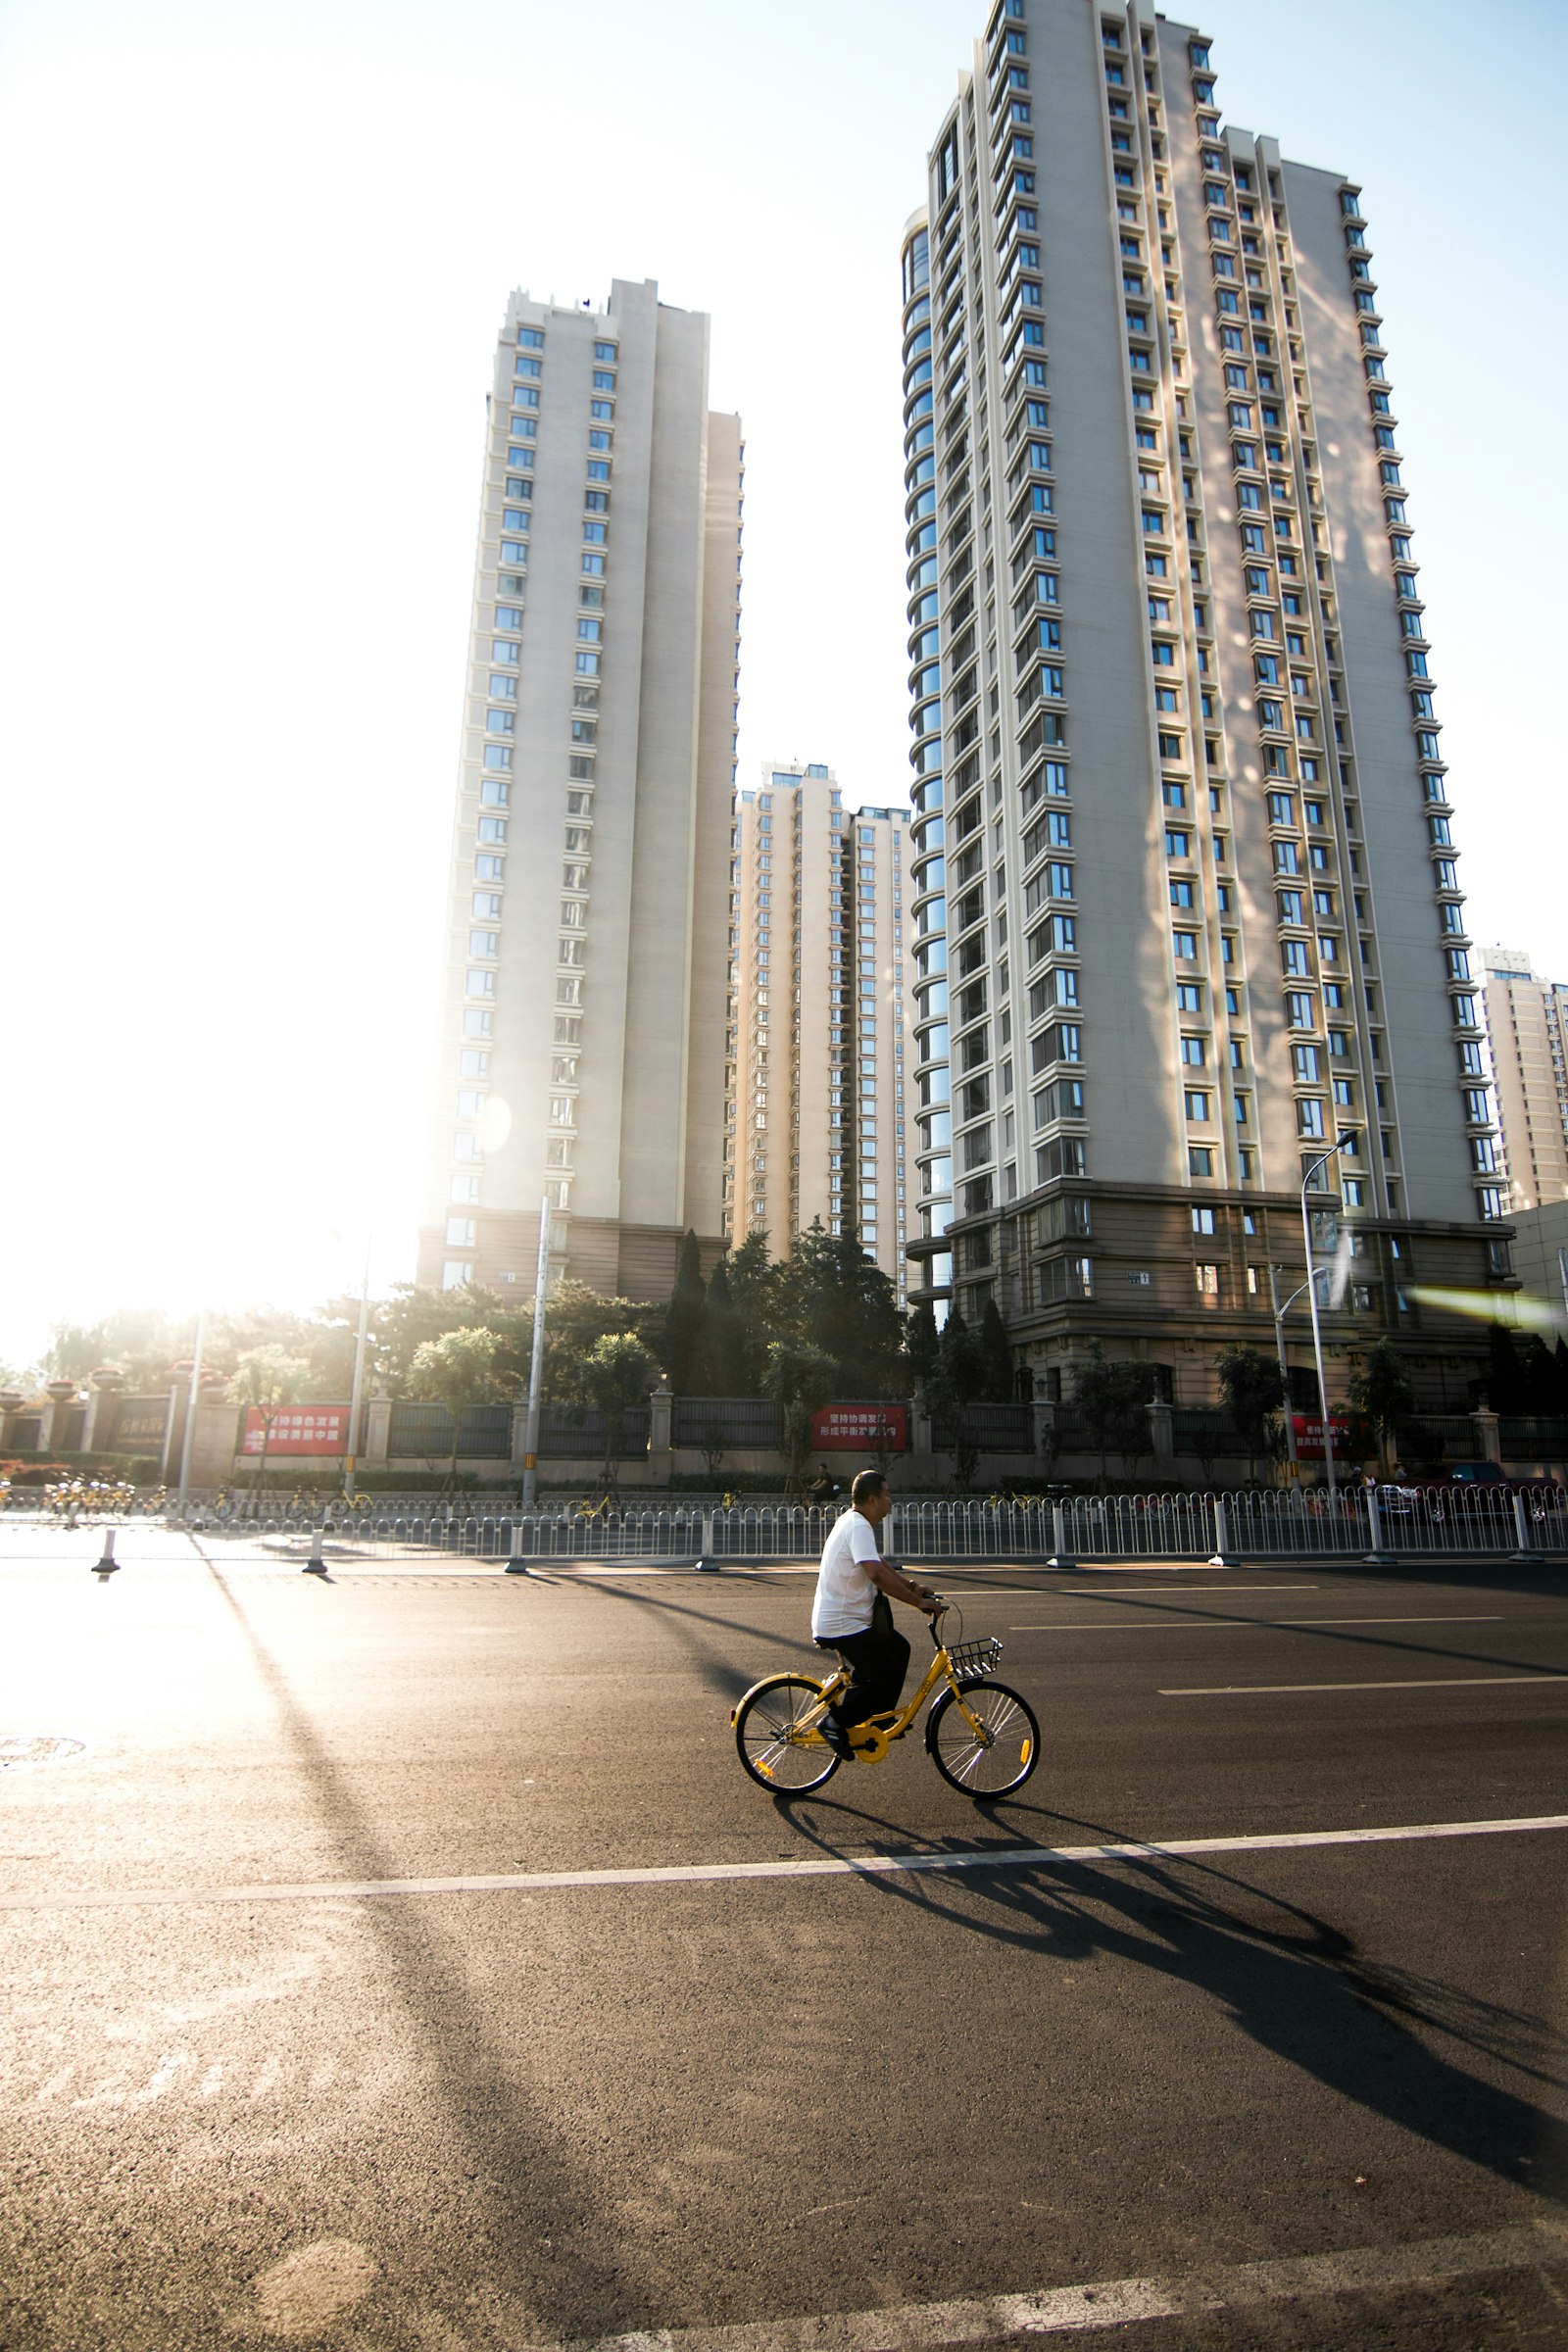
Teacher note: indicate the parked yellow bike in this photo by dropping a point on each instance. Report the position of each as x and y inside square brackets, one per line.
[981, 1736]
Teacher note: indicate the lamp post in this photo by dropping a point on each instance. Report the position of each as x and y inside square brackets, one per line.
[1341, 1143]
[357, 1392]
[536, 1363]
[1280, 1313]
[188, 1433]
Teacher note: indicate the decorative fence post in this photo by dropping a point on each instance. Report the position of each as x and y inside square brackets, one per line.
[1060, 1556]
[1379, 1556]
[1222, 1555]
[1521, 1529]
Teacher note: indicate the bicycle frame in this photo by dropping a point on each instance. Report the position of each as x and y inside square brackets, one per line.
[872, 1738]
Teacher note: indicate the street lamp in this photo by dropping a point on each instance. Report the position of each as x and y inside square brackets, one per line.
[1280, 1313]
[1341, 1143]
[536, 1363]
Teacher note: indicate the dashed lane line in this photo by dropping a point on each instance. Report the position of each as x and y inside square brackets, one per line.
[817, 1866]
[1230, 1625]
[1117, 2302]
[1441, 1681]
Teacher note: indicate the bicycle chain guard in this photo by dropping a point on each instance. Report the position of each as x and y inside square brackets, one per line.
[871, 1739]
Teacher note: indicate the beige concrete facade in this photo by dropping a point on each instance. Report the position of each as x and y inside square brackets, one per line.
[1186, 900]
[1527, 1031]
[1540, 1261]
[821, 1014]
[582, 1039]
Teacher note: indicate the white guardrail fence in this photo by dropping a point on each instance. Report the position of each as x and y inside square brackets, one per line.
[1493, 1521]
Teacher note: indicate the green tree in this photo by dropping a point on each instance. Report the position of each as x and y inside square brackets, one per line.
[922, 1346]
[959, 1383]
[730, 1369]
[753, 1288]
[1504, 1384]
[800, 1379]
[996, 1356]
[458, 1370]
[576, 1319]
[415, 1314]
[832, 1295]
[685, 1340]
[617, 1373]
[1538, 1377]
[1109, 1395]
[141, 1340]
[1251, 1385]
[1382, 1392]
[269, 1379]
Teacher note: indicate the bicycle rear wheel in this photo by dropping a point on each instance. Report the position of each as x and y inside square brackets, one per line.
[1004, 1753]
[775, 1736]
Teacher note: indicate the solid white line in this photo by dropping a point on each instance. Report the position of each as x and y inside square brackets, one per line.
[1233, 1623]
[817, 1866]
[1115, 2302]
[1444, 1682]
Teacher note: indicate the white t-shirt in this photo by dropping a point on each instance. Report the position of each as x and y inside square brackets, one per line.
[845, 1593]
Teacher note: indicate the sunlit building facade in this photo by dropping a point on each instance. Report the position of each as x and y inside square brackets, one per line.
[1527, 1029]
[820, 1017]
[581, 1052]
[1185, 901]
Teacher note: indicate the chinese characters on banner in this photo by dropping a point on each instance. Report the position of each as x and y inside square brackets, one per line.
[1309, 1437]
[860, 1428]
[299, 1429]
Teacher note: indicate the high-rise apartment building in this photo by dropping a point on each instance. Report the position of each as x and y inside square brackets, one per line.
[1527, 1027]
[821, 1014]
[582, 1039]
[1185, 901]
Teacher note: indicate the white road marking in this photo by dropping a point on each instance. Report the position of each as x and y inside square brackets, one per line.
[1136, 1591]
[1230, 1625]
[817, 1866]
[1115, 2302]
[1444, 1682]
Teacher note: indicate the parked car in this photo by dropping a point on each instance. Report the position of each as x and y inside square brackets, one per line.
[1488, 1474]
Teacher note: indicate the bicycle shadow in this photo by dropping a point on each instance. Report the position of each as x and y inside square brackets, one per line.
[1298, 1986]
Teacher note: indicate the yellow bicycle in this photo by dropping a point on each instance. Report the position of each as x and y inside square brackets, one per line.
[981, 1736]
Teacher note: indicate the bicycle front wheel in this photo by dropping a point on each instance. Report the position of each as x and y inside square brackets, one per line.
[997, 1759]
[776, 1737]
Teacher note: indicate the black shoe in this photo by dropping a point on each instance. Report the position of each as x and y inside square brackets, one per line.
[836, 1737]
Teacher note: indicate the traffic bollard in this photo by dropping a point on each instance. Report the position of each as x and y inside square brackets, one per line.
[106, 1562]
[315, 1565]
[1060, 1557]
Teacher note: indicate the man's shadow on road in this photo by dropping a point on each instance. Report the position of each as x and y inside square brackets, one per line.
[1298, 1986]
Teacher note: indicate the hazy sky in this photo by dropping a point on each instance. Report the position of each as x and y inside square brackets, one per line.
[256, 262]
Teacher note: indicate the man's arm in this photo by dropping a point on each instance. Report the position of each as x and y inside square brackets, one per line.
[898, 1587]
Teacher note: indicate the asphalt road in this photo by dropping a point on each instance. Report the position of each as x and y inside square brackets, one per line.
[1289, 2093]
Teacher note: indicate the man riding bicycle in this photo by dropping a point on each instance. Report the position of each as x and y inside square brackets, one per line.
[851, 1612]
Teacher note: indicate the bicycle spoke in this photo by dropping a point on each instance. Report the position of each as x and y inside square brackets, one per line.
[999, 1755]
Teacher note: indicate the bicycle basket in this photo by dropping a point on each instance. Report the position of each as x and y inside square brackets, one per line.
[971, 1659]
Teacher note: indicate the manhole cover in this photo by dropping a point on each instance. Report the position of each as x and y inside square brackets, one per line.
[42, 1748]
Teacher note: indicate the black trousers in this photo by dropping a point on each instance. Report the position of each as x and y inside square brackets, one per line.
[878, 1660]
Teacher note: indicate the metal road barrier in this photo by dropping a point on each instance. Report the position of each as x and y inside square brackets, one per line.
[1390, 1522]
